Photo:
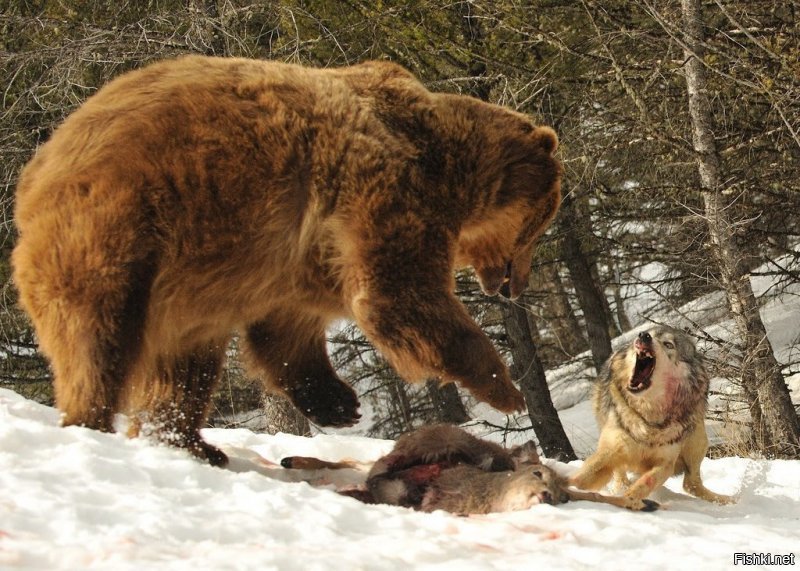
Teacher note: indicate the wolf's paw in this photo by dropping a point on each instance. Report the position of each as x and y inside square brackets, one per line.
[697, 489]
[720, 499]
[649, 506]
[644, 505]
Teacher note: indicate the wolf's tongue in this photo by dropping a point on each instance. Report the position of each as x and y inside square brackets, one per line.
[642, 373]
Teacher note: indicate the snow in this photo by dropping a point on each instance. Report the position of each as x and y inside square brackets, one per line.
[74, 498]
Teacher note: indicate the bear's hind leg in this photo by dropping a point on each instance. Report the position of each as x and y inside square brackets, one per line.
[290, 353]
[173, 405]
[88, 377]
[91, 331]
[84, 272]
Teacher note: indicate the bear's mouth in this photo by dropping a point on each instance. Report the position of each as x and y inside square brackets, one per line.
[505, 289]
[643, 370]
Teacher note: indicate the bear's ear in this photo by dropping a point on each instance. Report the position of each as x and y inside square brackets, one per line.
[546, 138]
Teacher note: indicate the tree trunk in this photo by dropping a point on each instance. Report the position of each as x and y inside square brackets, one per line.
[619, 305]
[562, 319]
[282, 416]
[760, 368]
[527, 366]
[529, 370]
[402, 415]
[447, 405]
[589, 295]
[613, 328]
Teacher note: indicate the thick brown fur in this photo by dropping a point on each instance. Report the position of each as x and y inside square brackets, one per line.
[654, 432]
[443, 467]
[199, 196]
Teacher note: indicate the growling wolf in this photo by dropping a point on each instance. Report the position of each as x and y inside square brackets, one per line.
[650, 401]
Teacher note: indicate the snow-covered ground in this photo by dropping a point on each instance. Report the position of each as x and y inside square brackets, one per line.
[73, 499]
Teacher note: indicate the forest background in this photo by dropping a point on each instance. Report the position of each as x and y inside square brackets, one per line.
[680, 136]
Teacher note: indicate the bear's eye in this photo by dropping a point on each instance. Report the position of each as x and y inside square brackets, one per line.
[669, 344]
[537, 473]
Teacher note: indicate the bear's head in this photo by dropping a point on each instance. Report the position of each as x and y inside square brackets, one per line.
[523, 198]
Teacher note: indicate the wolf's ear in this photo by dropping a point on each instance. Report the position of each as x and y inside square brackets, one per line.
[525, 454]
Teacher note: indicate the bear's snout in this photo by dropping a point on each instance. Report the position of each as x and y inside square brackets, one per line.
[493, 280]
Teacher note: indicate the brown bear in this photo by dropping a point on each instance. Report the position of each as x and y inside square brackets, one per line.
[200, 196]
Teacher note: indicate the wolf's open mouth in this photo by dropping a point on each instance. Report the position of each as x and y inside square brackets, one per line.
[643, 371]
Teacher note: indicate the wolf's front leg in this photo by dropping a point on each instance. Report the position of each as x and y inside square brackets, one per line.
[595, 473]
[693, 451]
[654, 478]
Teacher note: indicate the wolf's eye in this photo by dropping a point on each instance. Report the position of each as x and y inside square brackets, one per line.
[669, 344]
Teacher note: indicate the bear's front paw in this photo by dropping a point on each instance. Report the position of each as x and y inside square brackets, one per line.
[507, 398]
[331, 404]
[503, 396]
